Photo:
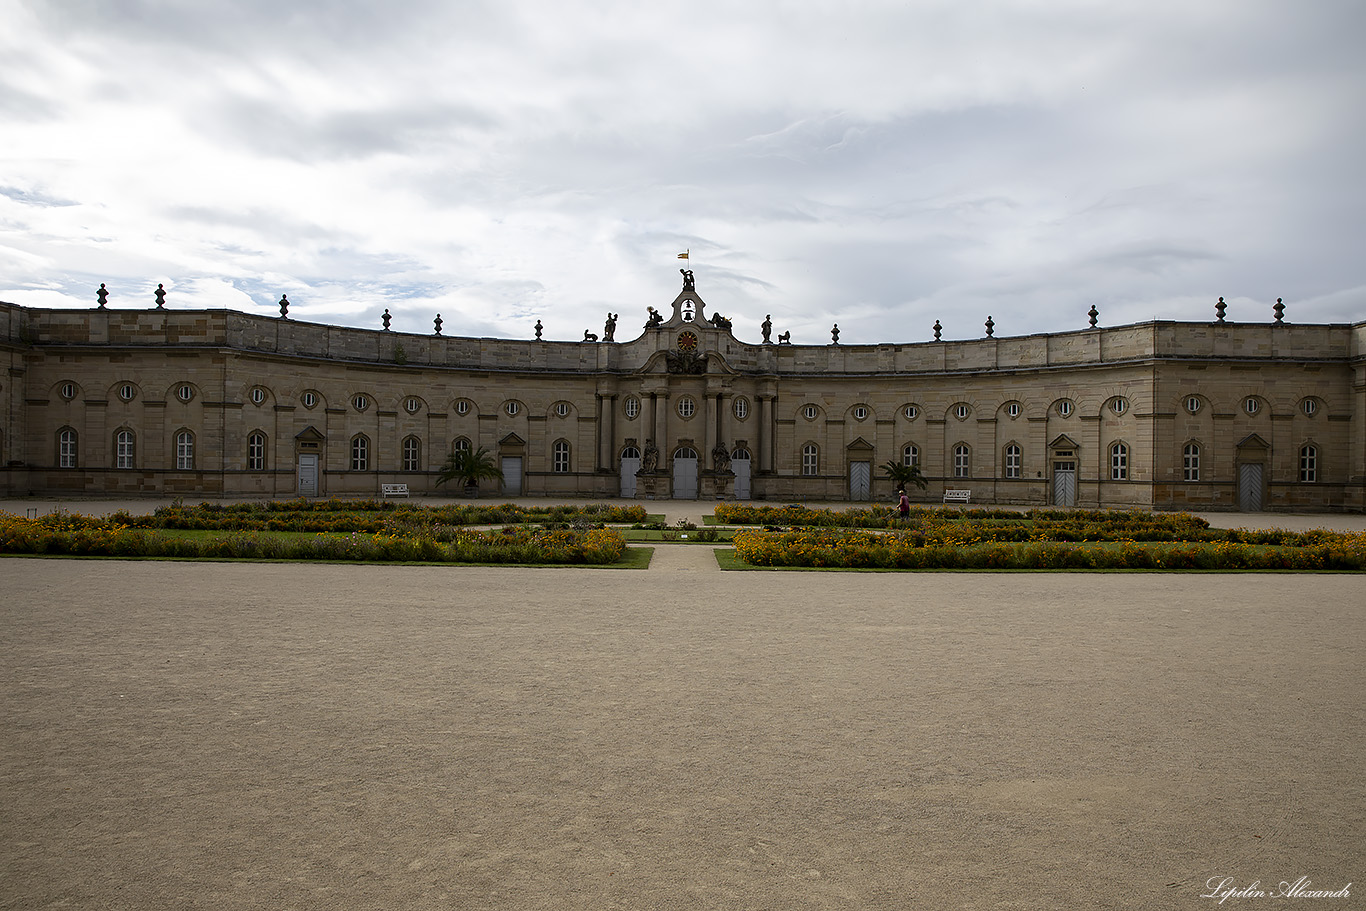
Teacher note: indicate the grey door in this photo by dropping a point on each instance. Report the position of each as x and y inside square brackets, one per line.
[512, 476]
[308, 476]
[860, 474]
[685, 475]
[1250, 487]
[630, 464]
[739, 463]
[1065, 483]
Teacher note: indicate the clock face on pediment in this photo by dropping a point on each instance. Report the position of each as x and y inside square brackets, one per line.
[687, 341]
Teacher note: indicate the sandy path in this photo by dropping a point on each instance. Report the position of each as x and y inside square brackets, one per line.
[244, 736]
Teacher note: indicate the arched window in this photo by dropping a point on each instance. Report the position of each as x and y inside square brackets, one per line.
[360, 452]
[1309, 463]
[1119, 462]
[412, 454]
[810, 459]
[1190, 462]
[66, 448]
[256, 451]
[741, 454]
[630, 452]
[559, 460]
[125, 449]
[962, 461]
[184, 451]
[1013, 460]
[910, 455]
[460, 444]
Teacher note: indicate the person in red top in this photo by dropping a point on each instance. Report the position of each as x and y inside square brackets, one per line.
[904, 504]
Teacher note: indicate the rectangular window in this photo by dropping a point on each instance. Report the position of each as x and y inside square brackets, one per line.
[561, 457]
[66, 449]
[1119, 463]
[123, 450]
[184, 451]
[412, 455]
[1013, 461]
[1309, 465]
[1191, 462]
[256, 452]
[810, 460]
[960, 462]
[360, 454]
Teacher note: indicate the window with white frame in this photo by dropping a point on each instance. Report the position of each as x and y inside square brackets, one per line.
[1309, 464]
[686, 407]
[810, 459]
[309, 399]
[860, 412]
[810, 412]
[1119, 406]
[1119, 462]
[66, 448]
[360, 453]
[462, 407]
[256, 451]
[910, 455]
[1309, 406]
[360, 402]
[412, 404]
[460, 445]
[562, 409]
[912, 412]
[67, 391]
[560, 457]
[632, 407]
[741, 408]
[961, 411]
[258, 396]
[512, 408]
[127, 391]
[1013, 409]
[185, 392]
[1013, 461]
[412, 454]
[1251, 405]
[1190, 462]
[184, 451]
[962, 464]
[125, 449]
[1065, 408]
[1192, 403]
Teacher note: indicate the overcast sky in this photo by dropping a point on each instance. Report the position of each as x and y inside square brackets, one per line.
[876, 164]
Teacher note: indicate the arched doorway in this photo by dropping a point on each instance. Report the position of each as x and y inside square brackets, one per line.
[685, 473]
[630, 464]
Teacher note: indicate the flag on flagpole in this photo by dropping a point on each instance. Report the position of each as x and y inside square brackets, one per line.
[683, 255]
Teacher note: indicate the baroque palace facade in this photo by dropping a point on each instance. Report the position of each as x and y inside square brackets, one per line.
[1159, 414]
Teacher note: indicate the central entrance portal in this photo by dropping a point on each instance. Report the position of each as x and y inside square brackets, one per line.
[685, 474]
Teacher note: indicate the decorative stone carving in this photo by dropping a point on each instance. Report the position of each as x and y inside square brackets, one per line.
[686, 362]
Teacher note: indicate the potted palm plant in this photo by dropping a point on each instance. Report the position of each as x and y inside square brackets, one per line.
[469, 467]
[903, 475]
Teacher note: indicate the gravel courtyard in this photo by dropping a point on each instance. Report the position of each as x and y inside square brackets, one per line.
[180, 735]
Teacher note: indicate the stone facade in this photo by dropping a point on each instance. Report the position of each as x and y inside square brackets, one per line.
[1160, 414]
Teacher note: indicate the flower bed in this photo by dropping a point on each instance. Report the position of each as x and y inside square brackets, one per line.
[77, 535]
[821, 547]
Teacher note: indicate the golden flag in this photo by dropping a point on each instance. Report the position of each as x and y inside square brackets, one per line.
[683, 256]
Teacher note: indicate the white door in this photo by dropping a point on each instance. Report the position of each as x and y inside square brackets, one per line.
[630, 464]
[512, 476]
[308, 476]
[860, 474]
[739, 463]
[1064, 483]
[685, 474]
[1250, 487]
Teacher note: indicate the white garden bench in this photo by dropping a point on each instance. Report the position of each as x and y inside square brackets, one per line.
[394, 490]
[957, 496]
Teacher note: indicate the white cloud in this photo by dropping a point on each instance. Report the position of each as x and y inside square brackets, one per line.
[876, 164]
